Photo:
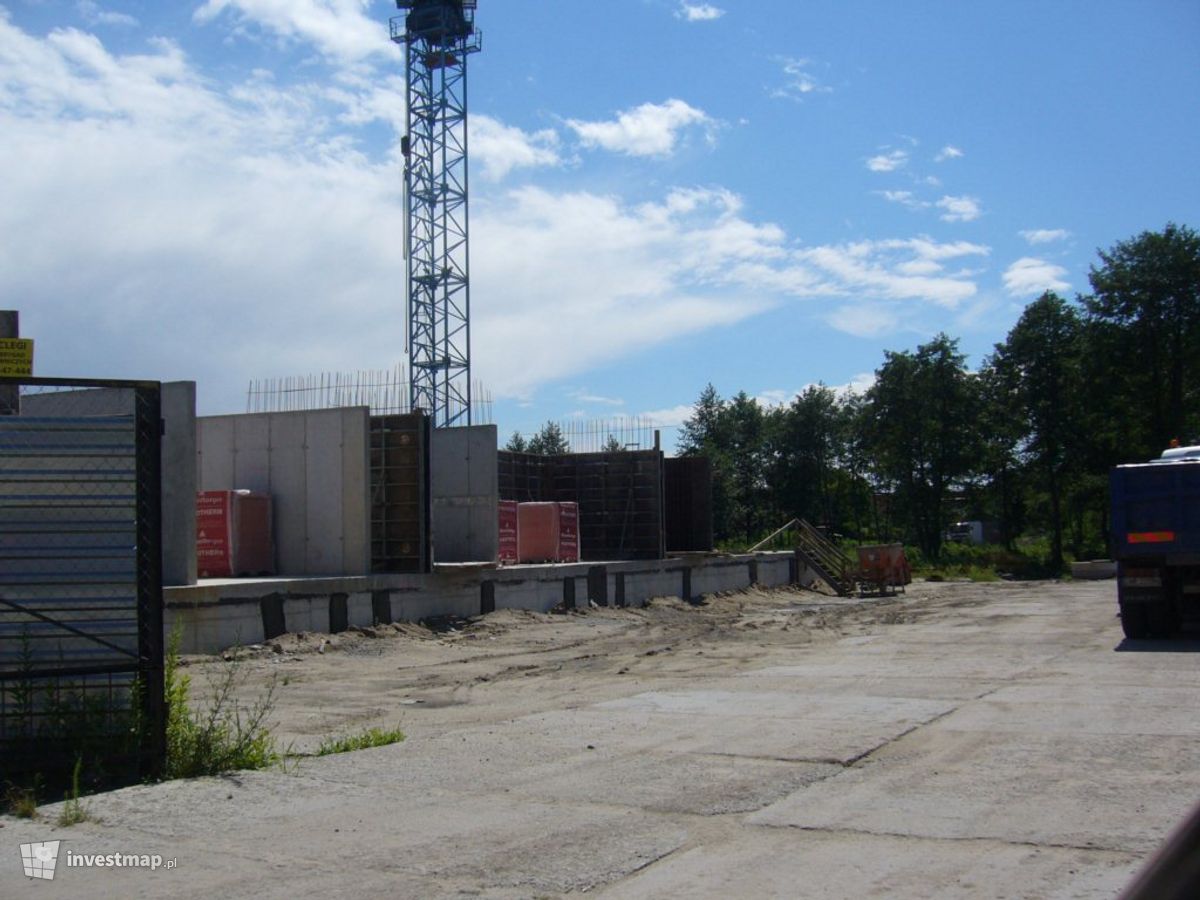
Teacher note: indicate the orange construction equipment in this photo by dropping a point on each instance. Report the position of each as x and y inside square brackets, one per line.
[883, 568]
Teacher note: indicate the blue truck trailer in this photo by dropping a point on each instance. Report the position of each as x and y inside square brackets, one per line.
[1156, 542]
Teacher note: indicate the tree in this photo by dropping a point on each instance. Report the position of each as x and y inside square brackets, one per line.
[920, 430]
[1146, 311]
[802, 443]
[1040, 363]
[745, 427]
[1001, 431]
[706, 433]
[612, 445]
[704, 430]
[549, 441]
[517, 444]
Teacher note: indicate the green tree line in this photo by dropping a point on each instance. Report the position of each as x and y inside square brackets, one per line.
[1024, 440]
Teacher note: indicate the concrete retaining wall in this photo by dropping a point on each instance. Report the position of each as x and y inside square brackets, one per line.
[221, 614]
[466, 500]
[314, 464]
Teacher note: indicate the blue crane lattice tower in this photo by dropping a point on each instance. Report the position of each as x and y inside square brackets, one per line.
[438, 36]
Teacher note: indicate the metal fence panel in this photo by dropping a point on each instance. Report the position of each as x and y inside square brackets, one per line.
[81, 646]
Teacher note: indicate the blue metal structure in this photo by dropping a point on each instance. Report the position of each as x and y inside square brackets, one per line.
[438, 36]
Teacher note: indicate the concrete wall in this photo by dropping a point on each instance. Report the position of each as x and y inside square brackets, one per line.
[179, 482]
[215, 616]
[466, 498]
[314, 464]
[178, 460]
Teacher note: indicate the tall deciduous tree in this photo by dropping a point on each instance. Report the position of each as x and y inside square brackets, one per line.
[1146, 306]
[921, 430]
[1001, 433]
[747, 430]
[1040, 361]
[802, 445]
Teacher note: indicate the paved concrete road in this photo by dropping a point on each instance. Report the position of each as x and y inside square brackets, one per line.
[964, 741]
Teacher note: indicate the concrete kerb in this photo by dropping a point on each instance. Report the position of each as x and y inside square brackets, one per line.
[215, 615]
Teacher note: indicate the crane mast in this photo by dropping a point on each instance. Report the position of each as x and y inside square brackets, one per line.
[438, 36]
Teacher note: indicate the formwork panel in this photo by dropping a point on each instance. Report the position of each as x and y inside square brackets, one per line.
[619, 496]
[400, 493]
[687, 491]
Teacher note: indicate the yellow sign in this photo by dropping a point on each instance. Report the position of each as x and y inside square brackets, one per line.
[16, 357]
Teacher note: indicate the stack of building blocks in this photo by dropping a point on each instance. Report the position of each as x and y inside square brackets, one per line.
[548, 532]
[509, 528]
[233, 534]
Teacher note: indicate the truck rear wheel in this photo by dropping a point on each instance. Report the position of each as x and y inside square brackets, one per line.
[1134, 621]
[1163, 619]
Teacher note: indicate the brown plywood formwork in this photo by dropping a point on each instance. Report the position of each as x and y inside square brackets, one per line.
[400, 494]
[620, 497]
[687, 487]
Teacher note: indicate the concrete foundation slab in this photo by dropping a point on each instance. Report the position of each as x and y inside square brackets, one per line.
[940, 783]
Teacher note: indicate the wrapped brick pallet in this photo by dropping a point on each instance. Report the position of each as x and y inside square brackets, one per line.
[548, 532]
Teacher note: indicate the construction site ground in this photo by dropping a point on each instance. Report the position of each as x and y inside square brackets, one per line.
[961, 740]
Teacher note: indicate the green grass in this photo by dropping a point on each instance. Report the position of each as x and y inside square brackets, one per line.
[982, 562]
[371, 737]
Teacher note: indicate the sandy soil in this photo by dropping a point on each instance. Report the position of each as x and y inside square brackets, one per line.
[444, 672]
[962, 740]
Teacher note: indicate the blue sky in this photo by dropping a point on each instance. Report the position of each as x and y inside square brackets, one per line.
[759, 194]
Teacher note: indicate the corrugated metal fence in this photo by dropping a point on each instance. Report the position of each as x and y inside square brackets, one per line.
[81, 643]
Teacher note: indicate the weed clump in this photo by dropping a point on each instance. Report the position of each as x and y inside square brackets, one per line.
[221, 737]
[73, 812]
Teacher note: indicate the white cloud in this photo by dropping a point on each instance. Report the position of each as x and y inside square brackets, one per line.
[616, 278]
[857, 384]
[799, 80]
[670, 417]
[1029, 275]
[94, 14]
[500, 148]
[885, 270]
[865, 320]
[652, 129]
[905, 198]
[159, 225]
[959, 209]
[698, 12]
[585, 396]
[1045, 235]
[948, 152]
[338, 28]
[888, 162]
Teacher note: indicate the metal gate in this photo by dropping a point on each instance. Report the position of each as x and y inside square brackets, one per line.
[81, 628]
